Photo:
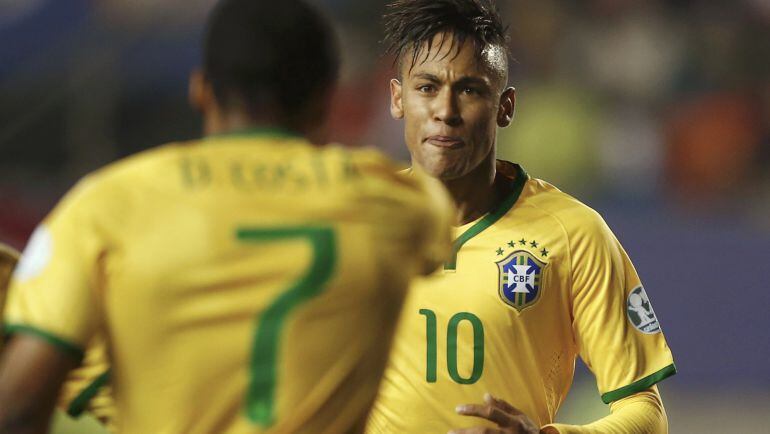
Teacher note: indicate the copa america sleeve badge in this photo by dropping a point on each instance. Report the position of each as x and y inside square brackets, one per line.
[640, 313]
[36, 255]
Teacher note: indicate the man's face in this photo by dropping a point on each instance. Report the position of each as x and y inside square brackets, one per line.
[452, 102]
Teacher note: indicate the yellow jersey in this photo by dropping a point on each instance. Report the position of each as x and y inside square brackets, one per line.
[8, 259]
[86, 388]
[247, 283]
[532, 285]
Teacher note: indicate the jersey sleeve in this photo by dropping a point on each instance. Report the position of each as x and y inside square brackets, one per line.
[435, 224]
[51, 294]
[618, 335]
[88, 388]
[641, 412]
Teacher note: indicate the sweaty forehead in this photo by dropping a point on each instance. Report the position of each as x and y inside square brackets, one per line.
[494, 59]
[446, 53]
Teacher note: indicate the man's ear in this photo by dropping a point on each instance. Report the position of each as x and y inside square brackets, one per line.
[507, 107]
[396, 104]
[199, 92]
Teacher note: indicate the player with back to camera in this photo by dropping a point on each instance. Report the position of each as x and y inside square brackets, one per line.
[248, 282]
[536, 279]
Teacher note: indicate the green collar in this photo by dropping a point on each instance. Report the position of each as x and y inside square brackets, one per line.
[489, 219]
[264, 132]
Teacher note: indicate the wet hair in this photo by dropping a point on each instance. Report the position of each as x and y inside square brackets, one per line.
[269, 55]
[410, 26]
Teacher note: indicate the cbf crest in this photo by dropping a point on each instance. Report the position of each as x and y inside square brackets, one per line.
[521, 277]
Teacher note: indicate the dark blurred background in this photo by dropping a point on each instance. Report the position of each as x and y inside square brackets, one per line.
[656, 113]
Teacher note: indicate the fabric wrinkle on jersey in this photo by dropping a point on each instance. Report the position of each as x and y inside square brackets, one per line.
[532, 287]
[192, 256]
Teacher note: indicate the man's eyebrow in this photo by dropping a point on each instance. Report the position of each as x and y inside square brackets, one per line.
[427, 76]
[463, 81]
[472, 80]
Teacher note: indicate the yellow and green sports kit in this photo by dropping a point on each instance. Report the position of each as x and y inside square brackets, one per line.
[531, 286]
[245, 283]
[8, 259]
[86, 388]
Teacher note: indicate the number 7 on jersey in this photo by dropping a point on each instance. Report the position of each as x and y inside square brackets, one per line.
[261, 392]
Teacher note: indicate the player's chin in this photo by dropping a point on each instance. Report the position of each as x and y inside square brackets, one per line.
[445, 172]
[443, 165]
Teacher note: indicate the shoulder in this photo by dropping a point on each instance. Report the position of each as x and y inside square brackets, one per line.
[114, 186]
[577, 219]
[380, 176]
[371, 162]
[410, 193]
[142, 166]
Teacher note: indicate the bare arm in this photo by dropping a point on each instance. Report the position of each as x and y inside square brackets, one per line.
[31, 373]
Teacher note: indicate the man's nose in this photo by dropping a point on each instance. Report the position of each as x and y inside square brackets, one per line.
[446, 108]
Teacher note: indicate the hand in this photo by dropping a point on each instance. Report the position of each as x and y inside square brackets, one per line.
[509, 420]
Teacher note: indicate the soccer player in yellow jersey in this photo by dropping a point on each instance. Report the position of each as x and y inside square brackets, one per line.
[248, 282]
[78, 393]
[8, 259]
[488, 345]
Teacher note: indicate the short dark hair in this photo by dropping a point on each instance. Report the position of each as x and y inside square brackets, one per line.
[269, 54]
[411, 24]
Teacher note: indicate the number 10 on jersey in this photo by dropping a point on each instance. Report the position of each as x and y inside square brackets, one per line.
[431, 332]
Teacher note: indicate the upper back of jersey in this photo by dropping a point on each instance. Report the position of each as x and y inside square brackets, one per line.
[246, 283]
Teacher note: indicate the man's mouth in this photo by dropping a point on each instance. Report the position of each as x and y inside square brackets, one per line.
[448, 142]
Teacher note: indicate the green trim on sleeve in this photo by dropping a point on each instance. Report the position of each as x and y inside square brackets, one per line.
[63, 345]
[489, 219]
[638, 386]
[80, 403]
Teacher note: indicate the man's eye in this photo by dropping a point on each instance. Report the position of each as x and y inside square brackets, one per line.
[426, 88]
[470, 91]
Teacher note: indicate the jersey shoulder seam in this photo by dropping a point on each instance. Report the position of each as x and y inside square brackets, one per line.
[574, 203]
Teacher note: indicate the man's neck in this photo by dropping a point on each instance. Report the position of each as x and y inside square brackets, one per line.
[220, 122]
[478, 192]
